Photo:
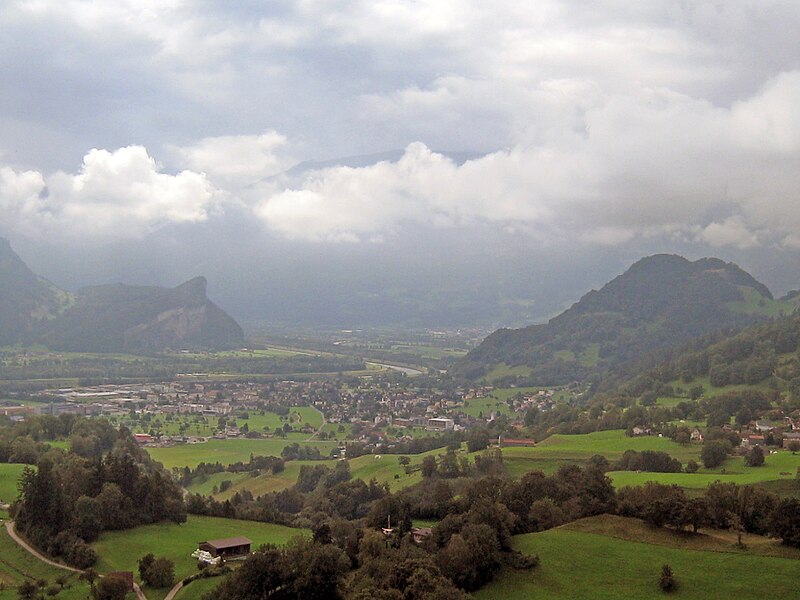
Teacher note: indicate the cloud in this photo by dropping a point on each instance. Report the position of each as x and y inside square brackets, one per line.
[115, 195]
[623, 166]
[236, 161]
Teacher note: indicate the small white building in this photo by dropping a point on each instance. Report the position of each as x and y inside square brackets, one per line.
[441, 424]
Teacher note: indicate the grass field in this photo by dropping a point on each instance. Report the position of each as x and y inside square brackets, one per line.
[781, 466]
[229, 451]
[483, 407]
[503, 370]
[577, 562]
[198, 587]
[203, 426]
[16, 565]
[564, 449]
[9, 476]
[120, 550]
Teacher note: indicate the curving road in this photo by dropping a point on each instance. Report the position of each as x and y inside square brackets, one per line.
[33, 551]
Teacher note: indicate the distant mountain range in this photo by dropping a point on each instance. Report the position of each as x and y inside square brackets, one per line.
[109, 318]
[661, 301]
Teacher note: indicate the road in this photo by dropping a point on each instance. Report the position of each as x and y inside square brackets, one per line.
[407, 370]
[33, 551]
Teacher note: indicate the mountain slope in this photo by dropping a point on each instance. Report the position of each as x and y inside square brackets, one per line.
[109, 318]
[115, 318]
[25, 299]
[661, 301]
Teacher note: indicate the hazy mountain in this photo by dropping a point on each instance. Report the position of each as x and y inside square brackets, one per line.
[661, 301]
[108, 318]
[26, 300]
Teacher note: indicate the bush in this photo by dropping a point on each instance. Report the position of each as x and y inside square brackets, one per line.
[110, 588]
[667, 580]
[692, 466]
[156, 572]
[754, 458]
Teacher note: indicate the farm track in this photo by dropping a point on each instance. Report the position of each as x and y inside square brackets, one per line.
[34, 552]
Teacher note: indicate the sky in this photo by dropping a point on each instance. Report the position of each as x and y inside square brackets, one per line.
[534, 148]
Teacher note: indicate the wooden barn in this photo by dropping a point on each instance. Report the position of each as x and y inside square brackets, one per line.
[236, 546]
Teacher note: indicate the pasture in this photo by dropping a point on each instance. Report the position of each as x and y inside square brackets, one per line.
[120, 550]
[16, 565]
[582, 564]
[9, 476]
[229, 451]
[561, 449]
[781, 466]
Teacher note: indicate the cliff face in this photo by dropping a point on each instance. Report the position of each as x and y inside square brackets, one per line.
[109, 318]
[127, 318]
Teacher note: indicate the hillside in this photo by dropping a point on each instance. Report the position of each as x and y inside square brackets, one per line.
[109, 318]
[659, 302]
[25, 299]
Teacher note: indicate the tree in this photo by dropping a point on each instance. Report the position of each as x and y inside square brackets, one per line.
[477, 439]
[404, 461]
[429, 467]
[667, 580]
[157, 572]
[714, 453]
[110, 588]
[27, 590]
[785, 522]
[754, 458]
[692, 466]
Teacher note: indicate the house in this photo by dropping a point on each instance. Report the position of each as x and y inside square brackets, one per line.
[235, 546]
[697, 436]
[790, 436]
[420, 534]
[143, 438]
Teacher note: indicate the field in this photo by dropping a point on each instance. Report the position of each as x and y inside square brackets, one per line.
[16, 565]
[503, 370]
[383, 468]
[229, 451]
[581, 561]
[482, 407]
[782, 465]
[197, 588]
[204, 426]
[120, 550]
[9, 476]
[563, 449]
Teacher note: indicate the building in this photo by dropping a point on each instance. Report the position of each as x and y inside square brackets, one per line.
[420, 534]
[509, 442]
[441, 424]
[236, 546]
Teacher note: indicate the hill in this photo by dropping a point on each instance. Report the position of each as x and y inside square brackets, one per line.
[110, 318]
[659, 302]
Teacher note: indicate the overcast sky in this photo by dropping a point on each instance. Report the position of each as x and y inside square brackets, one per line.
[598, 125]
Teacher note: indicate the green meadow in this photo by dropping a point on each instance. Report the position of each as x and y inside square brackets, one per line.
[120, 550]
[9, 476]
[17, 565]
[230, 451]
[781, 466]
[560, 449]
[581, 564]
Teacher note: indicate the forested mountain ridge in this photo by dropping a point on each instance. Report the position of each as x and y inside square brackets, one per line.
[661, 301]
[108, 318]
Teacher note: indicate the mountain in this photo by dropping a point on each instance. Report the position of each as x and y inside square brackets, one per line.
[108, 318]
[659, 302]
[26, 300]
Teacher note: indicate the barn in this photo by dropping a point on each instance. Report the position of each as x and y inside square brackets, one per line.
[235, 546]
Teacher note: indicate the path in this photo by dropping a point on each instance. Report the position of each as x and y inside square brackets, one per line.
[30, 549]
[318, 429]
[174, 591]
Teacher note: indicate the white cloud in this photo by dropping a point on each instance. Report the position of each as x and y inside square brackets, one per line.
[115, 195]
[236, 161]
[640, 164]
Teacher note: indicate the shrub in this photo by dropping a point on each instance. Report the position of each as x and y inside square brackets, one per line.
[667, 580]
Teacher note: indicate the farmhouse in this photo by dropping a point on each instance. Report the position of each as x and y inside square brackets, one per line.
[236, 546]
